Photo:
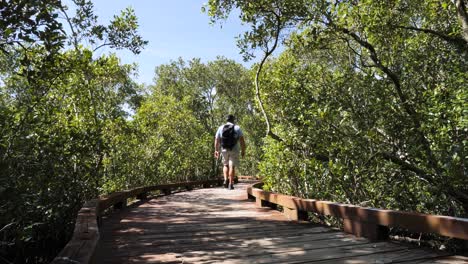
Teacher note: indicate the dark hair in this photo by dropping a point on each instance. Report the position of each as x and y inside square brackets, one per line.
[230, 118]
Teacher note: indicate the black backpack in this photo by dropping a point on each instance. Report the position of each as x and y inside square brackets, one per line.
[228, 137]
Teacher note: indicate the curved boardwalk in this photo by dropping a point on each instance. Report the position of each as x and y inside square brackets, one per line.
[220, 226]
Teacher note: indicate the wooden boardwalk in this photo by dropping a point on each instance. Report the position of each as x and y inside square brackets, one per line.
[220, 226]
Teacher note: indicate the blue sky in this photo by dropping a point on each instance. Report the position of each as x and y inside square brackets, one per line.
[174, 28]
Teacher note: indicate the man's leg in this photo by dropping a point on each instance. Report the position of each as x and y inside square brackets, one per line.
[225, 156]
[232, 172]
[226, 175]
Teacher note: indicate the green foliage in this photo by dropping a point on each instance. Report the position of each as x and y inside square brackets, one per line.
[177, 144]
[56, 106]
[367, 104]
[66, 138]
[367, 100]
[30, 21]
[53, 145]
[122, 32]
[171, 136]
[212, 90]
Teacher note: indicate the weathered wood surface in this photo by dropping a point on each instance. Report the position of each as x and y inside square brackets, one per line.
[222, 226]
[81, 247]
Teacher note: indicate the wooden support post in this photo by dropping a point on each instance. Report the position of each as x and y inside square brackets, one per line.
[120, 205]
[369, 230]
[260, 203]
[166, 191]
[142, 196]
[294, 214]
[99, 221]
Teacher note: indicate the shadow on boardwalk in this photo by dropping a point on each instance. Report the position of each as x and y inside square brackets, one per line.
[221, 226]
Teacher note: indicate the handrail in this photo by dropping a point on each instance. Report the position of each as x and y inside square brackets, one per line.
[80, 248]
[248, 178]
[367, 222]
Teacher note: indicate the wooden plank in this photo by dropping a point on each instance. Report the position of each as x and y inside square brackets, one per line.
[214, 225]
[77, 251]
[409, 255]
[186, 229]
[446, 260]
[186, 244]
[201, 235]
[298, 254]
[273, 238]
[259, 247]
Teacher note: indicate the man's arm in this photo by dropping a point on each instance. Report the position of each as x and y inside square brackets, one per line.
[242, 142]
[216, 146]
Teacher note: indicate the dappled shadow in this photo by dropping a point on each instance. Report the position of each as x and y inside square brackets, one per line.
[218, 225]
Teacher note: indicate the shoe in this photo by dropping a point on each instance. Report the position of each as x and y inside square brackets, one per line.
[225, 184]
[231, 186]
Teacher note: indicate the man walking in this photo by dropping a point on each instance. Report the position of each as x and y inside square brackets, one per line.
[228, 138]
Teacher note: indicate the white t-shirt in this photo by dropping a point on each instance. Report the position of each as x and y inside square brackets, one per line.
[238, 131]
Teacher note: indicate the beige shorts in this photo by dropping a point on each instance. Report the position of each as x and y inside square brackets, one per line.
[230, 157]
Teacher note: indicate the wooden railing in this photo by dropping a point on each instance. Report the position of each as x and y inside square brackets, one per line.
[367, 222]
[248, 178]
[80, 248]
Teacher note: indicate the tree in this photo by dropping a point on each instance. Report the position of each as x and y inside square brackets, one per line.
[211, 90]
[377, 45]
[58, 100]
[268, 20]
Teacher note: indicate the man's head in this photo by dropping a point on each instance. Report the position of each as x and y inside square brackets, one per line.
[230, 118]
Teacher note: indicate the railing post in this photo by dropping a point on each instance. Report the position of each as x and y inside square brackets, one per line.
[370, 230]
[120, 205]
[99, 220]
[294, 214]
[220, 182]
[142, 196]
[249, 194]
[260, 203]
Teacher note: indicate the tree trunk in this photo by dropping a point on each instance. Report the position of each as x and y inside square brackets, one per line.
[463, 17]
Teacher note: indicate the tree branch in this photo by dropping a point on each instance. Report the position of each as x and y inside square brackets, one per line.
[458, 42]
[70, 24]
[102, 45]
[408, 166]
[268, 52]
[456, 194]
[404, 100]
